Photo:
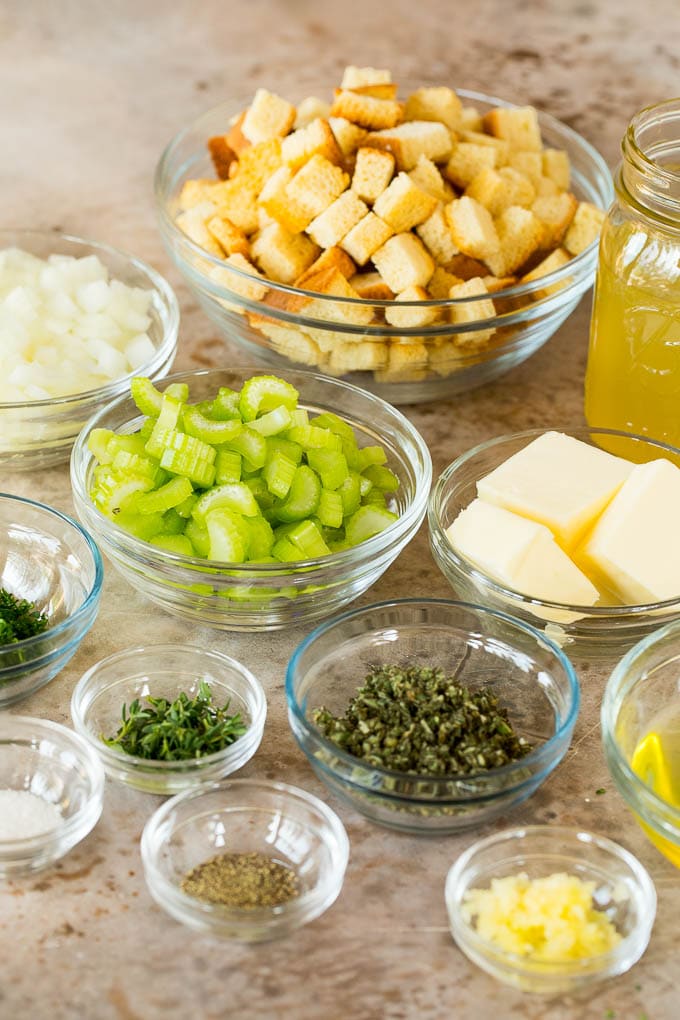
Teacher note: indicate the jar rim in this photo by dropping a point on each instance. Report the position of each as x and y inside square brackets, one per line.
[653, 135]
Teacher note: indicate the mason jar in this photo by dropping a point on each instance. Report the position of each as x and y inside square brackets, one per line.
[633, 372]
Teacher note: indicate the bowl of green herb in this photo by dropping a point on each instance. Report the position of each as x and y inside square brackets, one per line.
[50, 582]
[164, 717]
[431, 715]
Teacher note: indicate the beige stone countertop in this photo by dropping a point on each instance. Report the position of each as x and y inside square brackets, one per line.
[90, 92]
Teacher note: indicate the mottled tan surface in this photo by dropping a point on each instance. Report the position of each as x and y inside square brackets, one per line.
[90, 91]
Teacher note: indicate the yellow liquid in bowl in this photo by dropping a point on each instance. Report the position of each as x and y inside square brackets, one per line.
[656, 760]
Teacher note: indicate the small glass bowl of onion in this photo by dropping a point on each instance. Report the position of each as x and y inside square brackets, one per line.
[78, 319]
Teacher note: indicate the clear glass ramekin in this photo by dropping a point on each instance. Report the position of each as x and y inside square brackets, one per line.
[534, 681]
[39, 433]
[165, 671]
[266, 596]
[245, 816]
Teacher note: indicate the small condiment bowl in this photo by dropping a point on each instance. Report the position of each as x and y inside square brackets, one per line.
[52, 762]
[245, 816]
[534, 681]
[166, 671]
[49, 560]
[623, 891]
[645, 686]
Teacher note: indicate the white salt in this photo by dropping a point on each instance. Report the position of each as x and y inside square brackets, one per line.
[24, 815]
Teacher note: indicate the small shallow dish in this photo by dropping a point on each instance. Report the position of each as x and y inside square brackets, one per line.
[39, 433]
[532, 678]
[266, 596]
[436, 368]
[52, 762]
[164, 671]
[588, 631]
[623, 890]
[245, 816]
[642, 692]
[48, 559]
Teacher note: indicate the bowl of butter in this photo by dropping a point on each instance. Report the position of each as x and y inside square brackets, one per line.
[571, 531]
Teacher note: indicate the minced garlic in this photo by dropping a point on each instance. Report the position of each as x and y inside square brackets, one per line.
[549, 919]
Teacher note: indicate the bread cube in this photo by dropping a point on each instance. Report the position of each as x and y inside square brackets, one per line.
[371, 287]
[236, 201]
[585, 228]
[333, 223]
[292, 342]
[404, 261]
[465, 268]
[481, 138]
[470, 119]
[257, 164]
[268, 116]
[546, 188]
[554, 261]
[282, 256]
[516, 124]
[436, 234]
[230, 238]
[192, 222]
[275, 200]
[427, 176]
[412, 315]
[437, 103]
[406, 362]
[221, 154]
[555, 165]
[467, 160]
[555, 213]
[403, 204]
[348, 136]
[301, 145]
[310, 109]
[247, 288]
[316, 185]
[472, 228]
[528, 163]
[334, 258]
[498, 189]
[441, 283]
[194, 192]
[365, 355]
[472, 311]
[355, 77]
[412, 139]
[366, 111]
[365, 238]
[235, 138]
[331, 283]
[520, 234]
[372, 173]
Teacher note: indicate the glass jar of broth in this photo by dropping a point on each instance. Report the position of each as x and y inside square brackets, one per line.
[633, 372]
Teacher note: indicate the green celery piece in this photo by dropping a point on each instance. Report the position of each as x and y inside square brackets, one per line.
[332, 422]
[227, 466]
[98, 445]
[371, 455]
[126, 463]
[199, 538]
[205, 407]
[381, 477]
[299, 416]
[258, 487]
[261, 538]
[292, 450]
[130, 442]
[143, 527]
[272, 422]
[234, 496]
[178, 390]
[173, 523]
[252, 447]
[350, 493]
[112, 494]
[145, 395]
[376, 497]
[308, 539]
[178, 544]
[310, 437]
[330, 465]
[366, 522]
[146, 428]
[263, 393]
[278, 473]
[167, 420]
[365, 486]
[226, 405]
[185, 508]
[228, 541]
[284, 551]
[351, 452]
[330, 512]
[189, 456]
[208, 431]
[169, 495]
[303, 496]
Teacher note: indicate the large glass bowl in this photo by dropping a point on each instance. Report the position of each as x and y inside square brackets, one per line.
[48, 559]
[588, 631]
[38, 433]
[642, 693]
[533, 680]
[526, 314]
[266, 596]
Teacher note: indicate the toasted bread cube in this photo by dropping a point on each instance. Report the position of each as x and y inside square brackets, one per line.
[380, 90]
[365, 355]
[403, 204]
[471, 119]
[372, 173]
[555, 213]
[412, 315]
[282, 256]
[194, 192]
[480, 138]
[366, 111]
[585, 228]
[520, 234]
[444, 358]
[278, 205]
[258, 163]
[528, 163]
[472, 228]
[365, 238]
[355, 77]
[436, 234]
[292, 342]
[406, 362]
[415, 138]
[371, 287]
[555, 165]
[301, 145]
[546, 188]
[330, 282]
[310, 109]
[237, 202]
[333, 223]
[252, 290]
[471, 311]
[229, 237]
[404, 261]
[316, 185]
[554, 261]
[427, 176]
[499, 189]
[516, 124]
[465, 268]
[437, 103]
[496, 283]
[441, 283]
[192, 222]
[348, 136]
[268, 116]
[467, 160]
[330, 258]
[235, 138]
[520, 187]
[221, 154]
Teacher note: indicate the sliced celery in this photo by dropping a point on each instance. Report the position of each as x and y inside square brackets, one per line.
[303, 496]
[98, 445]
[330, 465]
[376, 497]
[366, 522]
[227, 466]
[272, 422]
[145, 395]
[234, 496]
[310, 437]
[263, 393]
[168, 419]
[178, 544]
[330, 421]
[292, 450]
[199, 538]
[329, 511]
[278, 473]
[258, 487]
[143, 527]
[308, 539]
[169, 495]
[173, 524]
[251, 445]
[381, 477]
[207, 430]
[261, 538]
[284, 551]
[228, 541]
[178, 390]
[371, 455]
[184, 509]
[225, 406]
[350, 493]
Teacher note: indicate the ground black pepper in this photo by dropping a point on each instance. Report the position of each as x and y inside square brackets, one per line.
[242, 880]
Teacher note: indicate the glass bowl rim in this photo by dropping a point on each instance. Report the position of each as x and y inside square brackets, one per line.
[563, 834]
[466, 567]
[541, 755]
[131, 762]
[158, 282]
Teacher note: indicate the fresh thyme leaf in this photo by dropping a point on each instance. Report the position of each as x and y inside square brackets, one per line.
[178, 730]
[19, 619]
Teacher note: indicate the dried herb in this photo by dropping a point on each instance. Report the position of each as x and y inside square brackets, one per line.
[242, 880]
[422, 722]
[176, 730]
[19, 619]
